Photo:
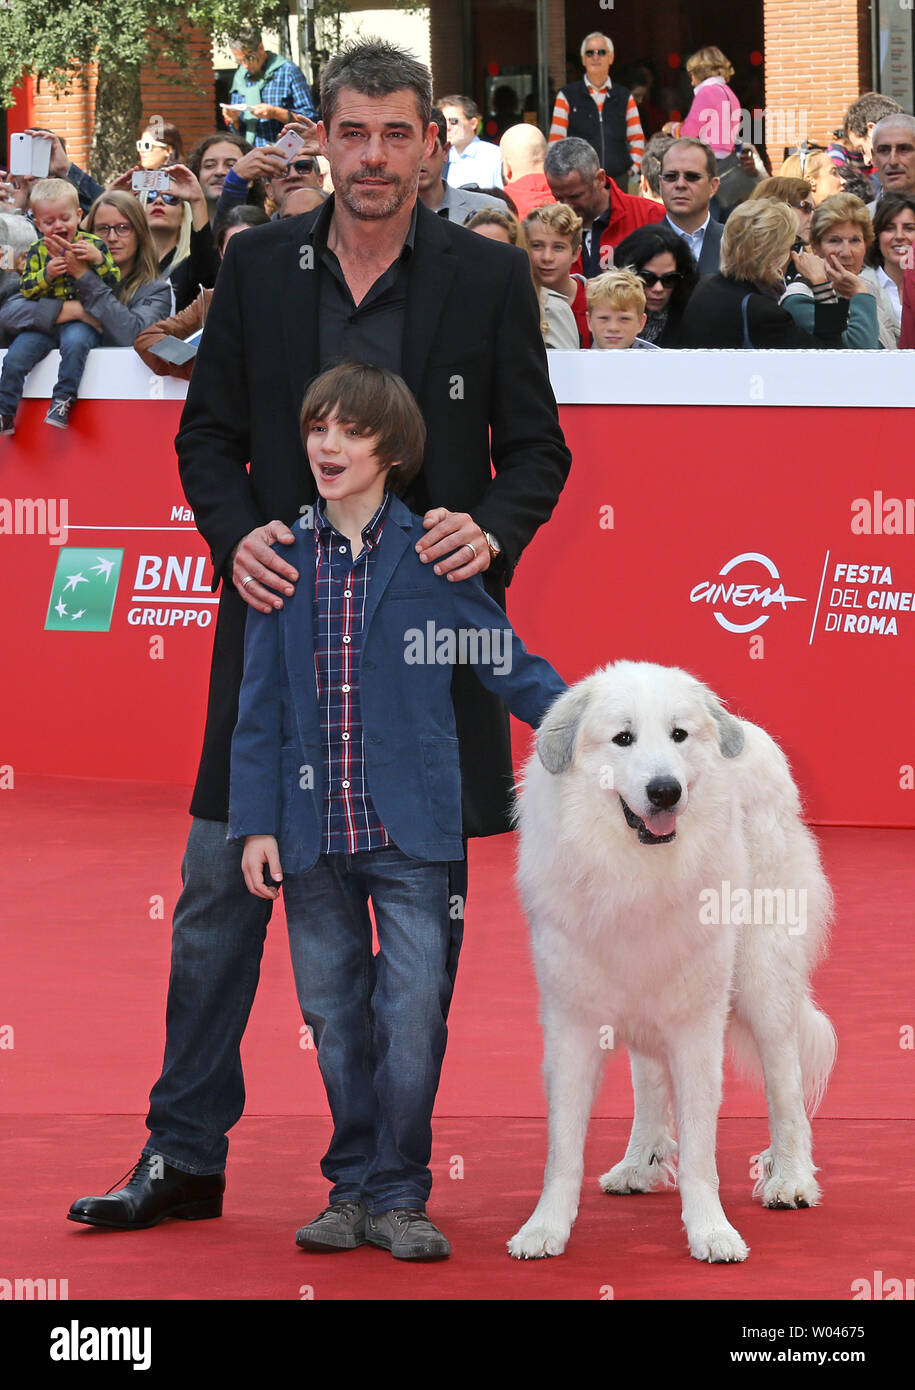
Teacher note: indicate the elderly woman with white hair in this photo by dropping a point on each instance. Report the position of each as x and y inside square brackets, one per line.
[739, 307]
[841, 233]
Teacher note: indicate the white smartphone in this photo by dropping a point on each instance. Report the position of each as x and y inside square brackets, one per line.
[289, 145]
[150, 178]
[30, 155]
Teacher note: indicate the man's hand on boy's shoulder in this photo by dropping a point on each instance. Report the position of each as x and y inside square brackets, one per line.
[257, 570]
[450, 538]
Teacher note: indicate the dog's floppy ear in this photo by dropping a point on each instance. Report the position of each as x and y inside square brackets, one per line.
[730, 729]
[556, 735]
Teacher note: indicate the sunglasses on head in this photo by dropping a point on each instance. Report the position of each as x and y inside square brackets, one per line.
[302, 166]
[689, 174]
[667, 280]
[153, 193]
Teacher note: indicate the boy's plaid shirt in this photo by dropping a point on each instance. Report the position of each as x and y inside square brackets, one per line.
[34, 284]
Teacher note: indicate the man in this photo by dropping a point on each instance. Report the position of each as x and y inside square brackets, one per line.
[576, 178]
[273, 90]
[371, 275]
[280, 176]
[470, 159]
[894, 156]
[689, 181]
[650, 176]
[858, 130]
[457, 204]
[210, 162]
[601, 112]
[523, 152]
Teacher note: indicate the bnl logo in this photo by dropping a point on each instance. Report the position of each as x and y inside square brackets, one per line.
[84, 589]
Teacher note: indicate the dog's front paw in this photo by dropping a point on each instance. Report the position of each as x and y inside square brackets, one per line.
[536, 1242]
[718, 1245]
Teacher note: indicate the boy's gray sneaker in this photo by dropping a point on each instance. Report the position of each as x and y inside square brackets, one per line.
[7, 424]
[408, 1234]
[59, 414]
[340, 1226]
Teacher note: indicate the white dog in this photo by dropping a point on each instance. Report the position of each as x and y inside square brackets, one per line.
[673, 894]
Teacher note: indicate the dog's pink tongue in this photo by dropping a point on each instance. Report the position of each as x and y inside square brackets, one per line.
[661, 823]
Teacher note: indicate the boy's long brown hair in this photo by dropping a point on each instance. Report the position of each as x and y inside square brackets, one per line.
[381, 404]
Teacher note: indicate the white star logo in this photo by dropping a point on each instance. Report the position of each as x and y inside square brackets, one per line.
[79, 614]
[104, 567]
[75, 579]
[60, 608]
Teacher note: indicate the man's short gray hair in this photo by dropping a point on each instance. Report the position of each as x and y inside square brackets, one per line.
[571, 156]
[375, 68]
[595, 35]
[895, 118]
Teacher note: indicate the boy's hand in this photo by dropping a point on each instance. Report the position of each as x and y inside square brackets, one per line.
[85, 251]
[448, 542]
[77, 257]
[261, 851]
[256, 569]
[55, 267]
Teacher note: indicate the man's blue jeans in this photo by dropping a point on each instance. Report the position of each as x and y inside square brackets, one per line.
[217, 943]
[379, 1022]
[75, 340]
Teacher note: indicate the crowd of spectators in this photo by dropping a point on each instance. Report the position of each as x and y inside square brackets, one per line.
[683, 241]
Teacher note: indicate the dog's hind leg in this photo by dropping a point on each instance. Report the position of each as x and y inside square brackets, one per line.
[572, 1066]
[696, 1057]
[649, 1158]
[786, 1169]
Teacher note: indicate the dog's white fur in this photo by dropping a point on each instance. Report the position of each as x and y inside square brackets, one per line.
[619, 942]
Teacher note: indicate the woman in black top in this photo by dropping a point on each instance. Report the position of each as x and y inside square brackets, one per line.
[664, 263]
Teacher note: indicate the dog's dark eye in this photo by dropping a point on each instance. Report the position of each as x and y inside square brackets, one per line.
[623, 740]
[679, 735]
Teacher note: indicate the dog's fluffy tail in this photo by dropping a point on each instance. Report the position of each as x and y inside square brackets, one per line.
[817, 1044]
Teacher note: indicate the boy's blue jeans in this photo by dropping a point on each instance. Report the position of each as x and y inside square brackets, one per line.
[75, 340]
[379, 1022]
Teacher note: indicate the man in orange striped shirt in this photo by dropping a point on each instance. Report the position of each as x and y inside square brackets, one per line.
[601, 112]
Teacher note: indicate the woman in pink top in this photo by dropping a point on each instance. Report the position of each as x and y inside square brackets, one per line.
[714, 117]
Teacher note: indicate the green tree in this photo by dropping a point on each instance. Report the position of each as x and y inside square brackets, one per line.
[57, 40]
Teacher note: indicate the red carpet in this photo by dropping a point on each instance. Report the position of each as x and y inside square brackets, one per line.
[91, 879]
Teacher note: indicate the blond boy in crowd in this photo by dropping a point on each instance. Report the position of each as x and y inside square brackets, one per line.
[62, 253]
[553, 234]
[616, 310]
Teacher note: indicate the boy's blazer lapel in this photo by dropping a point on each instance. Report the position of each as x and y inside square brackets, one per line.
[394, 541]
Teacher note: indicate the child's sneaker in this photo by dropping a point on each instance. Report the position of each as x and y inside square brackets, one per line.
[7, 424]
[59, 414]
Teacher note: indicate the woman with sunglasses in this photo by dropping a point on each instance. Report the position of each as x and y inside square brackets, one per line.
[797, 194]
[159, 144]
[179, 221]
[664, 264]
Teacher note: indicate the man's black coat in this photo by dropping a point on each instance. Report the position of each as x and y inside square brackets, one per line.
[474, 358]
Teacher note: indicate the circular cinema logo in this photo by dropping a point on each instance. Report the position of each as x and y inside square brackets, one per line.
[740, 600]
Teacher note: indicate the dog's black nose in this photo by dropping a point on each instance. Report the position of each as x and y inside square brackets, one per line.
[663, 792]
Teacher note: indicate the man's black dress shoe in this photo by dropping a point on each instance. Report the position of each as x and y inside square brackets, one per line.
[153, 1191]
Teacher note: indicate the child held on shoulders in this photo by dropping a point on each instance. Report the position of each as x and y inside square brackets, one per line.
[52, 263]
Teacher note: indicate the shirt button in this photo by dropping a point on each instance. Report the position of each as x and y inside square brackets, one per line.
[347, 593]
[345, 689]
[347, 639]
[344, 784]
[342, 549]
[344, 737]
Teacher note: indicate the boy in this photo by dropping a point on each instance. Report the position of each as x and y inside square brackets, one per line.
[346, 785]
[51, 263]
[553, 235]
[616, 310]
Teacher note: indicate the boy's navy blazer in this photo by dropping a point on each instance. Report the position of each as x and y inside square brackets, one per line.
[409, 738]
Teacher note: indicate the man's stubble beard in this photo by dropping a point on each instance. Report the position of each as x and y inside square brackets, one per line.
[372, 211]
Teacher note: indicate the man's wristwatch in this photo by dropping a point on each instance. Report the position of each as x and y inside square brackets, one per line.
[495, 549]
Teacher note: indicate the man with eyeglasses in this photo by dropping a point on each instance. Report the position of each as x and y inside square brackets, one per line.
[601, 112]
[267, 91]
[894, 156]
[689, 181]
[470, 160]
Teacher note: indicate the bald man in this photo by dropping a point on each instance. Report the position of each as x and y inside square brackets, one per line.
[523, 150]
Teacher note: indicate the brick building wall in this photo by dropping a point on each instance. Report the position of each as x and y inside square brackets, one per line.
[817, 62]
